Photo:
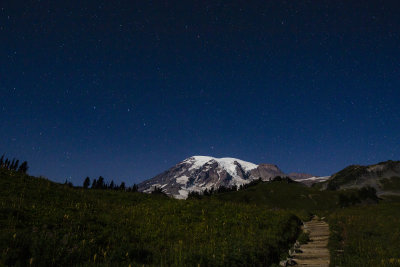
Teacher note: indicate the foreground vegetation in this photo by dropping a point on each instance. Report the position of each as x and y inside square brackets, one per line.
[43, 223]
[365, 231]
[283, 195]
[366, 235]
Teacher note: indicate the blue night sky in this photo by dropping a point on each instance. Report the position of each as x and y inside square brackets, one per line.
[127, 89]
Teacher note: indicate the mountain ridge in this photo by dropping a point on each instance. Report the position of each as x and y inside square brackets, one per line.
[383, 176]
[198, 173]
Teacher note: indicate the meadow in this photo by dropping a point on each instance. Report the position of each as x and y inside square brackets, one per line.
[367, 235]
[48, 224]
[365, 231]
[293, 197]
[43, 223]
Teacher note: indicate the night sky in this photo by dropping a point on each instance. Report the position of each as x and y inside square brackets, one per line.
[127, 89]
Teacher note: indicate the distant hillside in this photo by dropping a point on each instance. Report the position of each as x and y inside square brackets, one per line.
[384, 177]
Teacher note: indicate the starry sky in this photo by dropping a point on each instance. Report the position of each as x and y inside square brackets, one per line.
[127, 89]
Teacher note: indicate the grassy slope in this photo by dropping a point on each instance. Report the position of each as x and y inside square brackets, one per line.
[369, 235]
[54, 224]
[366, 235]
[294, 197]
[346, 176]
[44, 223]
[391, 184]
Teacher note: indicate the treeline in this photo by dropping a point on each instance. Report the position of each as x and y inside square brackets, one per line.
[13, 165]
[100, 183]
[359, 196]
[224, 189]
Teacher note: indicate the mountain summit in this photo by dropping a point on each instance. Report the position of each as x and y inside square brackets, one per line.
[199, 173]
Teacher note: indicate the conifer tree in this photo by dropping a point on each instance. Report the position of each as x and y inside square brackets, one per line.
[100, 183]
[2, 161]
[12, 164]
[86, 183]
[23, 167]
[16, 165]
[135, 188]
[122, 186]
[94, 184]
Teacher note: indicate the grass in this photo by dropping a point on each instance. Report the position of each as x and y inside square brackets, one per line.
[366, 235]
[47, 224]
[362, 233]
[294, 197]
[391, 184]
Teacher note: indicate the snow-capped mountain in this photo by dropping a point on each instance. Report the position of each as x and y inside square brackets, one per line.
[199, 173]
[311, 180]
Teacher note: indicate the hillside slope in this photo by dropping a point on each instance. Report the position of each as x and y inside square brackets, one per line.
[384, 177]
[48, 224]
[293, 196]
[366, 235]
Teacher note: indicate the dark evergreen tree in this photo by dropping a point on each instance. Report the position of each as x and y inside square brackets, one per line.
[1, 161]
[134, 188]
[94, 184]
[12, 164]
[16, 165]
[194, 195]
[23, 167]
[112, 185]
[100, 183]
[368, 192]
[158, 191]
[122, 186]
[7, 164]
[86, 183]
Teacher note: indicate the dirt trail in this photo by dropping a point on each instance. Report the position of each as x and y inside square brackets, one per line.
[315, 252]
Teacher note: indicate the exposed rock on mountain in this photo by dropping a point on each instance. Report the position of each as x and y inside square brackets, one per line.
[307, 179]
[299, 176]
[311, 180]
[266, 171]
